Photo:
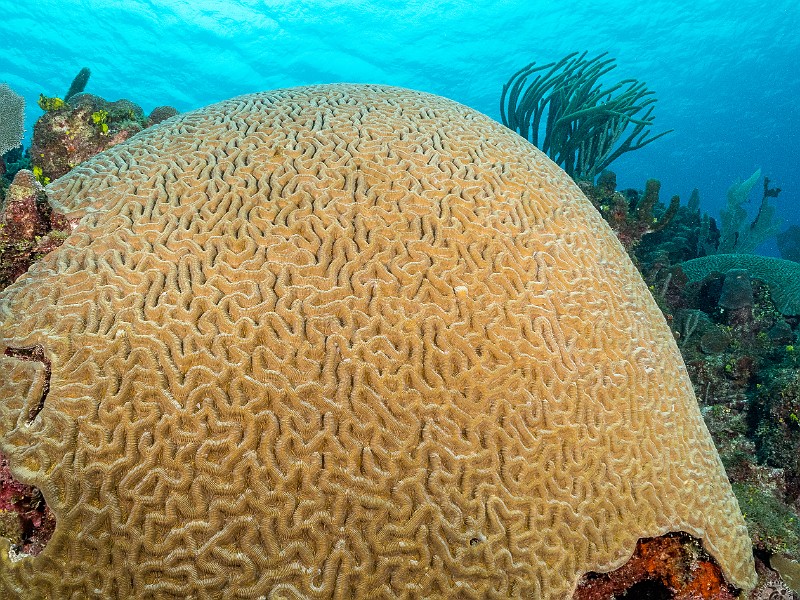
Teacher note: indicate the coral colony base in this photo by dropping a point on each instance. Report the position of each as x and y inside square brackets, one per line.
[347, 341]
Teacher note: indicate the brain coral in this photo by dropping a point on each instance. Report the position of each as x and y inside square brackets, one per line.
[344, 341]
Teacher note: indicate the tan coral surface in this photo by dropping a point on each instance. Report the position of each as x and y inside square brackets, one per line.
[345, 341]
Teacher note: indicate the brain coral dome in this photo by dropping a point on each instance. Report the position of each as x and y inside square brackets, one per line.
[344, 341]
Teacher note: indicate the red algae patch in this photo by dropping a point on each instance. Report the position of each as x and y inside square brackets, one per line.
[25, 518]
[673, 566]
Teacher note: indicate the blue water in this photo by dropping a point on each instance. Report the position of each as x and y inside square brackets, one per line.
[725, 72]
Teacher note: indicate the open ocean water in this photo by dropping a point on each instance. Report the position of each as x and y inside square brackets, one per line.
[725, 73]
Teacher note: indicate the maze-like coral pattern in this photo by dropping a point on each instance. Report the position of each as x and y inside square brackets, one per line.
[344, 342]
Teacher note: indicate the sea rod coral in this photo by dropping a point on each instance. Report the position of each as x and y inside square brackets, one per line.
[344, 341]
[584, 124]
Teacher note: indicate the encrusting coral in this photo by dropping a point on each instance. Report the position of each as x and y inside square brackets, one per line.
[782, 276]
[68, 134]
[344, 341]
[631, 216]
[28, 228]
